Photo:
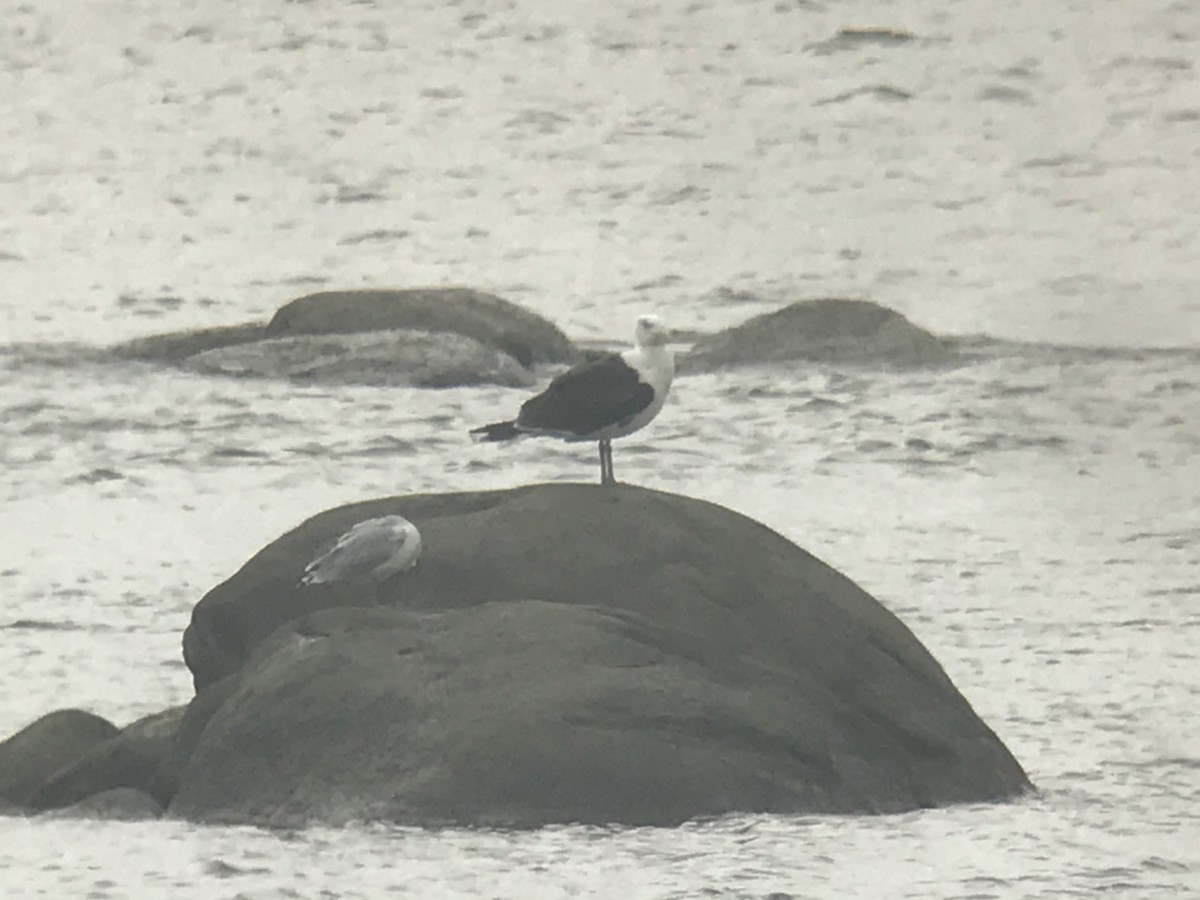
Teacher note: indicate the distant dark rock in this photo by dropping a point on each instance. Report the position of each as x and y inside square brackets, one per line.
[846, 332]
[886, 92]
[34, 754]
[1005, 94]
[128, 759]
[417, 358]
[566, 653]
[525, 336]
[428, 337]
[857, 38]
[118, 804]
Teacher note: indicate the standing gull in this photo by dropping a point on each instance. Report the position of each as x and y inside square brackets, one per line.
[599, 400]
[372, 551]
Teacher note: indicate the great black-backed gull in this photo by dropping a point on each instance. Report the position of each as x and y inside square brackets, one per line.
[599, 400]
[370, 552]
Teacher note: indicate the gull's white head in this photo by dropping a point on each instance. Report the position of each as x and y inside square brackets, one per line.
[650, 332]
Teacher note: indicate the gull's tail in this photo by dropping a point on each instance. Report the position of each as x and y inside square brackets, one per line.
[497, 431]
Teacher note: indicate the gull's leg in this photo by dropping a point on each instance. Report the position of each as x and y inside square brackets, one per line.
[606, 473]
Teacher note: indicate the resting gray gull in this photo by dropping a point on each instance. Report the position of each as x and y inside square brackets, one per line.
[601, 399]
[370, 552]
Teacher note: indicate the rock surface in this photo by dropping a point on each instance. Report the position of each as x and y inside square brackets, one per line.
[118, 804]
[31, 757]
[566, 653]
[854, 332]
[386, 358]
[127, 760]
[491, 320]
[175, 347]
[428, 337]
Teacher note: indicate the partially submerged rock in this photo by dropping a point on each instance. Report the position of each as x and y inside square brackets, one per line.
[175, 347]
[563, 653]
[31, 757]
[128, 759]
[491, 320]
[430, 337]
[566, 653]
[118, 804]
[853, 332]
[417, 358]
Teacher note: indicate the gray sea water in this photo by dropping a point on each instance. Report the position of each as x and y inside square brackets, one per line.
[1028, 171]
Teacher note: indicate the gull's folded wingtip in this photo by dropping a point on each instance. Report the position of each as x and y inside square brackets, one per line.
[497, 431]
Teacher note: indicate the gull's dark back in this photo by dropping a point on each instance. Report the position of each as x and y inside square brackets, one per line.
[584, 399]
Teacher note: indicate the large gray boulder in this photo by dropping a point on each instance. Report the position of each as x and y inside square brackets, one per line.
[843, 332]
[566, 653]
[491, 320]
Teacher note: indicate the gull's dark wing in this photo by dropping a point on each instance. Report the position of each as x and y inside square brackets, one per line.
[586, 398]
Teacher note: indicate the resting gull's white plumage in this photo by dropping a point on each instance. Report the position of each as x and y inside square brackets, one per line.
[370, 552]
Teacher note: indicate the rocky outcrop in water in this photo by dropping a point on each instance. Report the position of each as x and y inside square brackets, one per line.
[429, 337]
[525, 336]
[566, 653]
[850, 332]
[382, 358]
[562, 653]
[177, 346]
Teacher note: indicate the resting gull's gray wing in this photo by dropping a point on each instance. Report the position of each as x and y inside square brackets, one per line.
[371, 550]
